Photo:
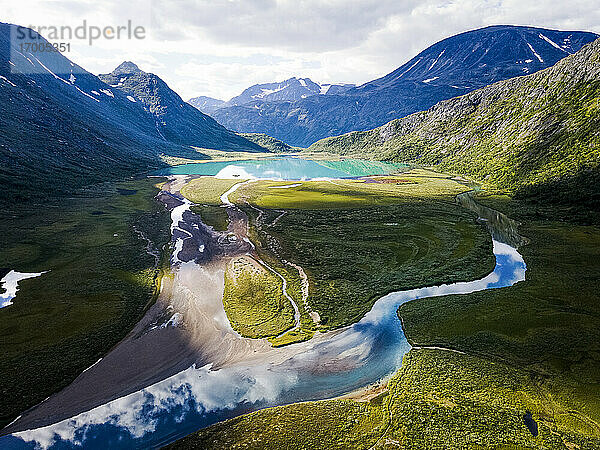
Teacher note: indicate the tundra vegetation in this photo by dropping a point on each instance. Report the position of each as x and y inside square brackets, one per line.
[254, 301]
[531, 347]
[356, 240]
[100, 279]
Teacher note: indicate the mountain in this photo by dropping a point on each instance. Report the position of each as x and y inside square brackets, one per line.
[62, 127]
[536, 135]
[207, 105]
[61, 124]
[449, 68]
[175, 120]
[267, 142]
[289, 90]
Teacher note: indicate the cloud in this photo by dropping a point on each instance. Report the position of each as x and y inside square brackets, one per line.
[303, 26]
[220, 47]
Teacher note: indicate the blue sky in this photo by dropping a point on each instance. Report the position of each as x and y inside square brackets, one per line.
[220, 47]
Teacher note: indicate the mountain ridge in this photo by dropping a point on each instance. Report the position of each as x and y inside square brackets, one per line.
[64, 128]
[176, 121]
[449, 68]
[536, 135]
[291, 89]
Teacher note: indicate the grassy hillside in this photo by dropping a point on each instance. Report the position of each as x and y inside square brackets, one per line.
[537, 135]
[268, 142]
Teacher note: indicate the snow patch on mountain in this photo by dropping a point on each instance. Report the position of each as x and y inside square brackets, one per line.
[535, 53]
[8, 81]
[552, 43]
[86, 94]
[436, 59]
[403, 73]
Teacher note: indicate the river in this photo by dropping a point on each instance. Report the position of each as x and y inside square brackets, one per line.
[329, 365]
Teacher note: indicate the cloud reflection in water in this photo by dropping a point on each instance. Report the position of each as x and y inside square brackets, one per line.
[348, 359]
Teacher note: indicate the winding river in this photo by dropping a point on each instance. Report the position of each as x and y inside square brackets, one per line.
[329, 365]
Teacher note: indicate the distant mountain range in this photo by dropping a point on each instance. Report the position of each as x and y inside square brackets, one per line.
[207, 105]
[289, 91]
[537, 136]
[449, 68]
[62, 127]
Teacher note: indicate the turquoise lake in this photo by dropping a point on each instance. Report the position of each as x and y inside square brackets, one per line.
[286, 168]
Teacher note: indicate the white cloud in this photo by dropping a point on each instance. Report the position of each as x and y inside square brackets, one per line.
[220, 47]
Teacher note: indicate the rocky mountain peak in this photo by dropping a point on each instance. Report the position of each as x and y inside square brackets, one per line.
[126, 67]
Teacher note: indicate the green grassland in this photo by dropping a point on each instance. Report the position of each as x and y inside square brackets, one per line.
[207, 190]
[254, 300]
[335, 194]
[269, 253]
[438, 399]
[357, 241]
[353, 257]
[99, 282]
[267, 142]
[549, 324]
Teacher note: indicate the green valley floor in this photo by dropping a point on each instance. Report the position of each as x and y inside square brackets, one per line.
[530, 348]
[101, 249]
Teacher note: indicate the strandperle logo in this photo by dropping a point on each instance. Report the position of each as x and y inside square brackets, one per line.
[83, 32]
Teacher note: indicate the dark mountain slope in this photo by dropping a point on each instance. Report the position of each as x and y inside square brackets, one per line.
[176, 120]
[537, 135]
[61, 127]
[449, 68]
[56, 134]
[477, 58]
